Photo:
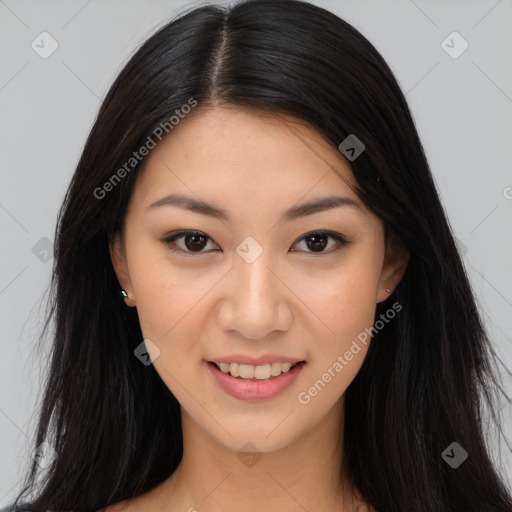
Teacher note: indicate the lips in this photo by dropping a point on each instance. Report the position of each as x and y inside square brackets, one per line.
[252, 389]
[247, 371]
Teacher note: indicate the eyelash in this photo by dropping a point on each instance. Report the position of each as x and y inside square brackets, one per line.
[342, 241]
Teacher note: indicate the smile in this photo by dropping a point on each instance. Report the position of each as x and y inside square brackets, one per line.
[248, 371]
[255, 383]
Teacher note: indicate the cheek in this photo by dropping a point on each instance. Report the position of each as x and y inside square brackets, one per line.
[165, 294]
[172, 314]
[346, 304]
[357, 301]
[168, 316]
[346, 301]
[336, 356]
[168, 307]
[154, 304]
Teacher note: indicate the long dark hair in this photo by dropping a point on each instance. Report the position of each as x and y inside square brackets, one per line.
[427, 374]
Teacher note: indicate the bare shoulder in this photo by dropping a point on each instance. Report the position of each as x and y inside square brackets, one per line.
[120, 506]
[150, 500]
[139, 503]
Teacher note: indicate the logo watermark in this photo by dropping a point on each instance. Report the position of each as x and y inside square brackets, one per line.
[454, 455]
[351, 147]
[137, 156]
[305, 397]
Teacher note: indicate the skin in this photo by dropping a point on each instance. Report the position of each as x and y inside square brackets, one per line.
[290, 301]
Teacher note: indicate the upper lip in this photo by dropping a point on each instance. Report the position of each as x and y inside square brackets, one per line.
[255, 361]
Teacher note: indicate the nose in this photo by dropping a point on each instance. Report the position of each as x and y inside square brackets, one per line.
[257, 302]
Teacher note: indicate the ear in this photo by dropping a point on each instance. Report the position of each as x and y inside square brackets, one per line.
[393, 269]
[118, 258]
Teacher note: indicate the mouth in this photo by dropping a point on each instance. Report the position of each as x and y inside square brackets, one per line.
[261, 373]
[255, 383]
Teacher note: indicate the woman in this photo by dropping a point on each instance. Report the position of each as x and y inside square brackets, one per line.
[258, 300]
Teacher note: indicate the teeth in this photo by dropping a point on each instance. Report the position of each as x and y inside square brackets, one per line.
[234, 369]
[224, 367]
[276, 369]
[263, 372]
[248, 371]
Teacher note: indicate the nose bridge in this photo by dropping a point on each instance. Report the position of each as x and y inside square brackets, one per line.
[256, 302]
[256, 283]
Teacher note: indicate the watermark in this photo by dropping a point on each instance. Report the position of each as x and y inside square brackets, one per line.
[44, 45]
[147, 352]
[249, 455]
[44, 455]
[351, 147]
[43, 250]
[158, 133]
[454, 455]
[249, 249]
[305, 397]
[454, 45]
[507, 192]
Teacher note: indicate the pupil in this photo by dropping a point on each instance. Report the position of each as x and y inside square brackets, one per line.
[316, 244]
[189, 237]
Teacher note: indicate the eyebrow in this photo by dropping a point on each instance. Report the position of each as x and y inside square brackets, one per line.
[315, 206]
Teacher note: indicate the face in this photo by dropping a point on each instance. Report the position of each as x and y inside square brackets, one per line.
[253, 284]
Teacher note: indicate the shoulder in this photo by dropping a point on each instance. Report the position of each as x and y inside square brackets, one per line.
[120, 506]
[140, 503]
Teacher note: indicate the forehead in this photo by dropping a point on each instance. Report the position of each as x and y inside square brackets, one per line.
[229, 151]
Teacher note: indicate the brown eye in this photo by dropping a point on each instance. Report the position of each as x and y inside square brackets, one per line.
[193, 241]
[317, 241]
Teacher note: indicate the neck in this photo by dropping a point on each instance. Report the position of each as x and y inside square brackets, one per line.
[304, 475]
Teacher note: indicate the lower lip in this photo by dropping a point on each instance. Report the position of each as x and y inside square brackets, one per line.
[252, 390]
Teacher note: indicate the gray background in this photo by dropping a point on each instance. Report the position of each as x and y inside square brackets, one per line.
[462, 107]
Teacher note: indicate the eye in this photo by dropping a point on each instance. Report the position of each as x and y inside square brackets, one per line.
[317, 241]
[195, 241]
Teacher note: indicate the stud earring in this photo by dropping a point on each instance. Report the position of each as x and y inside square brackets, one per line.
[388, 290]
[129, 302]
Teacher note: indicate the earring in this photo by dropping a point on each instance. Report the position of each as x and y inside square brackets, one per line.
[388, 290]
[129, 302]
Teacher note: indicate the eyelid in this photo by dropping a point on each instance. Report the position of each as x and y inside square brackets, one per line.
[340, 239]
[181, 234]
